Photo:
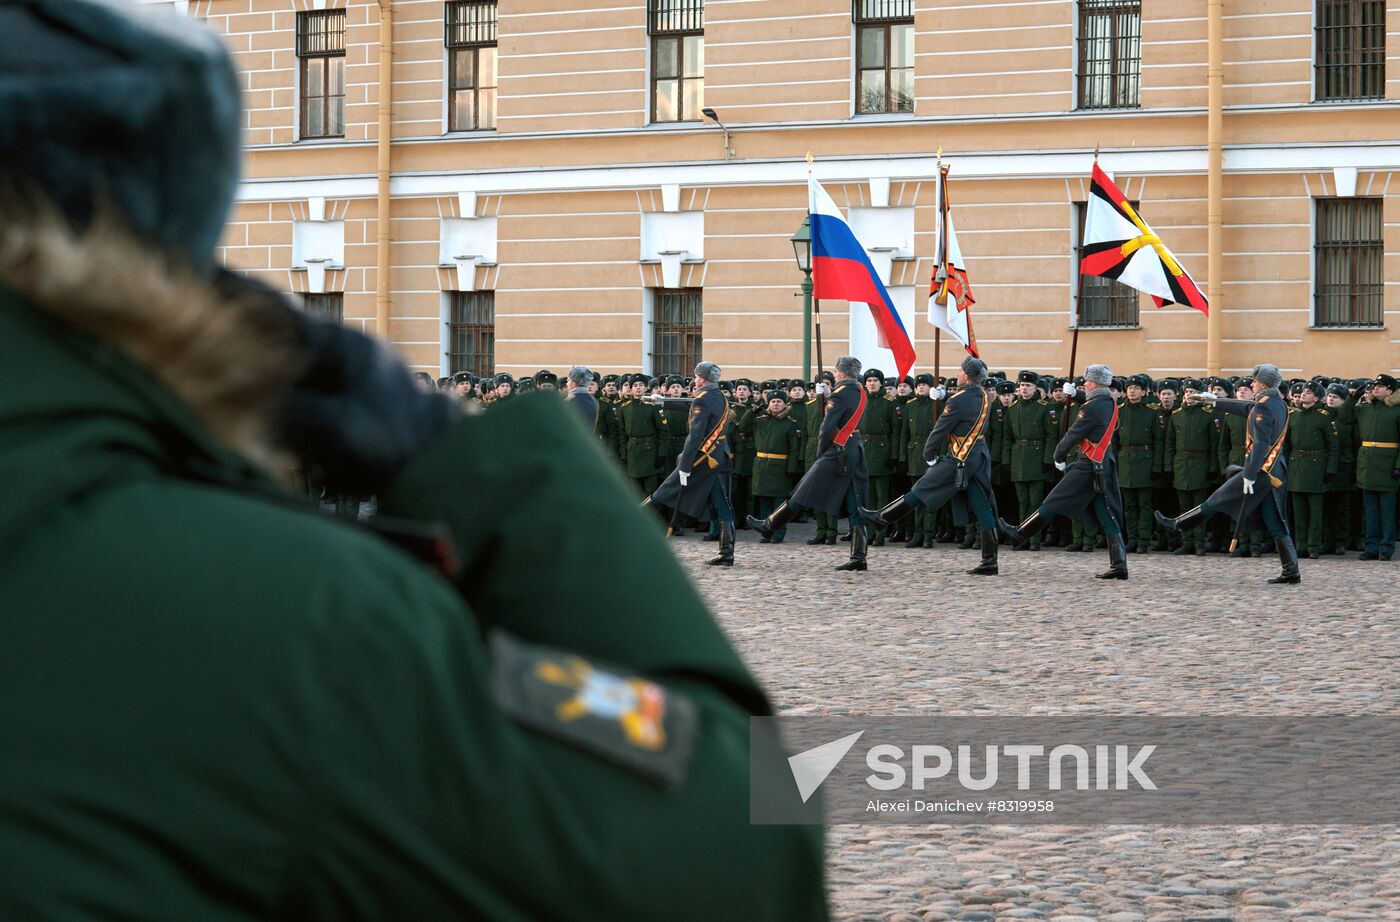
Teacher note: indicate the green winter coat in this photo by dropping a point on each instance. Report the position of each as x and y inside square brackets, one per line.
[778, 438]
[1033, 431]
[1378, 422]
[1311, 449]
[1193, 438]
[1135, 444]
[741, 440]
[642, 438]
[675, 428]
[916, 422]
[609, 428]
[1347, 445]
[810, 421]
[219, 705]
[878, 429]
[1230, 448]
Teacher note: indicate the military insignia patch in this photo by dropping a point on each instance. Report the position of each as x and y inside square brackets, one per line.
[619, 716]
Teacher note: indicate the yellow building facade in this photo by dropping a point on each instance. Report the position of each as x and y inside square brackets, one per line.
[552, 193]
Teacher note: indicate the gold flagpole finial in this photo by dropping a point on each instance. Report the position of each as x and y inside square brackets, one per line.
[1096, 153]
[810, 158]
[939, 153]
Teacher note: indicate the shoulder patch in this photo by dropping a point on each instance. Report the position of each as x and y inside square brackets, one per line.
[618, 716]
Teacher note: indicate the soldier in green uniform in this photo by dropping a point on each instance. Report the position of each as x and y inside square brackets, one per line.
[675, 426]
[916, 422]
[641, 431]
[609, 423]
[1378, 465]
[777, 461]
[878, 428]
[1336, 504]
[1193, 438]
[814, 409]
[1083, 536]
[741, 443]
[1163, 496]
[1311, 448]
[998, 441]
[1136, 443]
[1032, 433]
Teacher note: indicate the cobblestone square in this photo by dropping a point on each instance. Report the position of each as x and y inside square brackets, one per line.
[1184, 636]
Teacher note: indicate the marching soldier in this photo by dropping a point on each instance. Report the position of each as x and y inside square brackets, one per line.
[1259, 489]
[916, 424]
[1378, 465]
[1190, 459]
[641, 431]
[699, 485]
[958, 467]
[777, 455]
[1136, 444]
[741, 442]
[877, 432]
[1032, 432]
[1090, 485]
[837, 478]
[1311, 447]
[1336, 504]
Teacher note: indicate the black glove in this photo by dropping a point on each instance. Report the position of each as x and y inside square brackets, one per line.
[356, 413]
[1327, 478]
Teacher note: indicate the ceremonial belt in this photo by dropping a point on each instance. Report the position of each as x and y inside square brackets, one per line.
[1094, 452]
[714, 438]
[1380, 444]
[844, 434]
[767, 454]
[1030, 441]
[1271, 457]
[962, 447]
[1300, 453]
[1123, 448]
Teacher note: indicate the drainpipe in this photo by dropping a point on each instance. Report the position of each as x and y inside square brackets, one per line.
[386, 101]
[1215, 242]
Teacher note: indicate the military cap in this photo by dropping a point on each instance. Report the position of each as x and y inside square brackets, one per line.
[1194, 384]
[673, 379]
[776, 394]
[1119, 384]
[1296, 387]
[545, 376]
[826, 376]
[950, 382]
[1027, 377]
[463, 377]
[873, 373]
[1142, 381]
[909, 380]
[1246, 381]
[1005, 387]
[848, 365]
[891, 382]
[504, 378]
[924, 378]
[998, 374]
[1268, 375]
[1339, 390]
[1169, 384]
[1058, 383]
[1386, 381]
[610, 379]
[1316, 387]
[744, 381]
[768, 385]
[423, 376]
[444, 382]
[525, 384]
[726, 385]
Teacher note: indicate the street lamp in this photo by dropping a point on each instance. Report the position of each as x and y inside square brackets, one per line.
[802, 249]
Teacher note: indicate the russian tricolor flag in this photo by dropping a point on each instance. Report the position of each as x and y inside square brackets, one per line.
[842, 271]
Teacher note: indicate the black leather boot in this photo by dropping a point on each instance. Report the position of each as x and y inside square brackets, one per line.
[1184, 522]
[988, 566]
[765, 527]
[1288, 556]
[969, 539]
[857, 561]
[726, 547]
[896, 511]
[1117, 559]
[1022, 534]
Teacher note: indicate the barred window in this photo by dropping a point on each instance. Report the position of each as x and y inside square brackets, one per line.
[676, 340]
[321, 52]
[327, 305]
[884, 55]
[1102, 302]
[677, 28]
[471, 332]
[1349, 253]
[470, 36]
[1350, 50]
[1110, 54]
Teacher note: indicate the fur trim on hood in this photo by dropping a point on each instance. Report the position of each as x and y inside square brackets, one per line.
[1393, 400]
[227, 346]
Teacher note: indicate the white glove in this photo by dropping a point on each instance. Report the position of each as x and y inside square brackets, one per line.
[1204, 397]
[654, 399]
[1248, 487]
[684, 475]
[938, 393]
[1060, 465]
[822, 389]
[933, 462]
[1069, 389]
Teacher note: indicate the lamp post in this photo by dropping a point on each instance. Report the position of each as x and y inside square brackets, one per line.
[802, 248]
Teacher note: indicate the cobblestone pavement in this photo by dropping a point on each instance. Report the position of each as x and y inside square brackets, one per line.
[1184, 636]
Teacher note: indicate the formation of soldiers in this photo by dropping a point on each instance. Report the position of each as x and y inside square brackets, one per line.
[1342, 449]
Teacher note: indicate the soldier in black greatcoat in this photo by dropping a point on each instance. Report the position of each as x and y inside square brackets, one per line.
[1089, 488]
[837, 478]
[1260, 488]
[964, 475]
[700, 483]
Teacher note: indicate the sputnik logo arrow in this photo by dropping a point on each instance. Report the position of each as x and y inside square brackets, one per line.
[811, 768]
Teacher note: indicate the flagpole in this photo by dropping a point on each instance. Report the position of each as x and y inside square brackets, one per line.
[1079, 295]
[939, 258]
[816, 303]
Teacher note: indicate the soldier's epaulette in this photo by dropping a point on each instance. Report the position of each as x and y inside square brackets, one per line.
[1043, 402]
[889, 398]
[1155, 405]
[1322, 410]
[1178, 410]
